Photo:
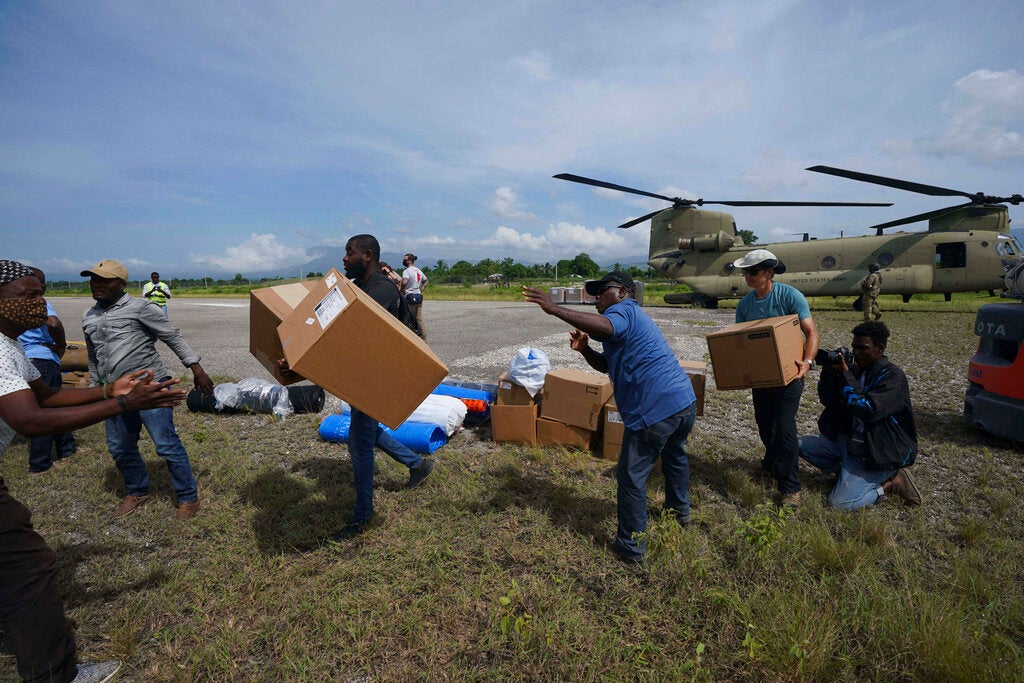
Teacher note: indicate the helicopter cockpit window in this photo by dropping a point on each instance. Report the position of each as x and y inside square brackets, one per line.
[729, 268]
[951, 255]
[828, 262]
[885, 259]
[1006, 248]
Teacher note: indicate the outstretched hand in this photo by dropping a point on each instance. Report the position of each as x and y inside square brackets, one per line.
[145, 394]
[579, 340]
[536, 296]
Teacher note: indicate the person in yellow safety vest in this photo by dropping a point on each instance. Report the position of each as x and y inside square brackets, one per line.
[157, 292]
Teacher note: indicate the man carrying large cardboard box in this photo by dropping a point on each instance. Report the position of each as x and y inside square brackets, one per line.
[362, 256]
[653, 394]
[775, 407]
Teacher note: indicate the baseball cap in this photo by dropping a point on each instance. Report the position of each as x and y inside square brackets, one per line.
[761, 258]
[108, 268]
[594, 286]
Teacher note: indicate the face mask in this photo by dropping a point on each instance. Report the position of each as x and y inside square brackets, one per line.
[27, 314]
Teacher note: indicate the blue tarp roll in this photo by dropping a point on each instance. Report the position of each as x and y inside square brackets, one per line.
[418, 436]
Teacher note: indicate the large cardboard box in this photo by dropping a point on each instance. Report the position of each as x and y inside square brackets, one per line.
[697, 371]
[611, 442]
[339, 338]
[512, 394]
[76, 357]
[575, 397]
[757, 353]
[514, 423]
[268, 306]
[556, 433]
[76, 379]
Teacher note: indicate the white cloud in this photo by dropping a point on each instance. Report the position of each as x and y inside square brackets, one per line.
[504, 204]
[258, 253]
[985, 119]
[536, 64]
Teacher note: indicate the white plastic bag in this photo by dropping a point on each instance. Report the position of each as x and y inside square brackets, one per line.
[528, 369]
[257, 395]
[447, 412]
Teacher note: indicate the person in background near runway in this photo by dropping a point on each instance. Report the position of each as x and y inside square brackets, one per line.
[44, 346]
[413, 282]
[868, 437]
[871, 285]
[392, 275]
[31, 611]
[775, 408]
[653, 394]
[157, 292]
[120, 335]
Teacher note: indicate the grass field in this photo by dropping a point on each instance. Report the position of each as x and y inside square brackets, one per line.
[497, 568]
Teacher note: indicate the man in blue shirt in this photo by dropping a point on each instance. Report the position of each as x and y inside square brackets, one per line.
[44, 347]
[653, 395]
[775, 407]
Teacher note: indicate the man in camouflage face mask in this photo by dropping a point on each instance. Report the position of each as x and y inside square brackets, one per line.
[15, 307]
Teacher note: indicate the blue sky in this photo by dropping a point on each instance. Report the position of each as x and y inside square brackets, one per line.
[222, 137]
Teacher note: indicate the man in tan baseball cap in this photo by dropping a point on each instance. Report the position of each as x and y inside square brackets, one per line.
[120, 334]
[108, 268]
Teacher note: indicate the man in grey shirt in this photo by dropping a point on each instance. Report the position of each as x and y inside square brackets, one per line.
[120, 335]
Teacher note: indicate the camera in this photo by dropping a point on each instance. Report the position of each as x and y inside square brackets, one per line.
[832, 357]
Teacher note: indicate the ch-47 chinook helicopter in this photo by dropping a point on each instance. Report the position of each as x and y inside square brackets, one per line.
[966, 248]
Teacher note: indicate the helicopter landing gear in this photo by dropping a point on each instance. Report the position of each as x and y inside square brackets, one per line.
[702, 301]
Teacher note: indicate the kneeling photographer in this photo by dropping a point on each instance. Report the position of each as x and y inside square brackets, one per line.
[867, 433]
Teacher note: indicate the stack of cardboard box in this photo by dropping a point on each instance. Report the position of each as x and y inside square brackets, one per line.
[611, 420]
[570, 412]
[514, 414]
[74, 365]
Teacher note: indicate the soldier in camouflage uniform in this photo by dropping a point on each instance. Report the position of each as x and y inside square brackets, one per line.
[871, 285]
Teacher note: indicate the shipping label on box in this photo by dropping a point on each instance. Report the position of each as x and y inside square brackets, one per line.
[575, 397]
[268, 306]
[512, 394]
[342, 340]
[614, 429]
[514, 423]
[757, 353]
[555, 433]
[697, 371]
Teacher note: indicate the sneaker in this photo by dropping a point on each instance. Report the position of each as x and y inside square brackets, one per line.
[96, 673]
[418, 474]
[791, 500]
[904, 487]
[130, 505]
[349, 531]
[186, 510]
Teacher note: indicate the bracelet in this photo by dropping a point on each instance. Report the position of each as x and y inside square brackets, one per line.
[123, 402]
[105, 392]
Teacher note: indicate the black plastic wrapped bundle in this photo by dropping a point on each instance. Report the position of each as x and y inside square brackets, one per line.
[307, 398]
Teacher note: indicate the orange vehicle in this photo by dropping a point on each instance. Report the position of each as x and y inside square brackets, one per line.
[995, 395]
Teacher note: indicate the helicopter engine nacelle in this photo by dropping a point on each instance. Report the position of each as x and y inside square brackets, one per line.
[720, 241]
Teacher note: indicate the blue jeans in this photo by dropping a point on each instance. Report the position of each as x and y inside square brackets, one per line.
[775, 413]
[857, 487]
[41, 448]
[123, 440]
[640, 450]
[364, 433]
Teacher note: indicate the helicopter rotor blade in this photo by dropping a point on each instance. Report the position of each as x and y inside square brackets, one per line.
[734, 203]
[920, 188]
[612, 186]
[637, 221]
[927, 215]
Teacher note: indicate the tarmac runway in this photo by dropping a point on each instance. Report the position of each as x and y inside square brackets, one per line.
[476, 340]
